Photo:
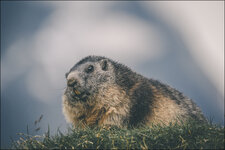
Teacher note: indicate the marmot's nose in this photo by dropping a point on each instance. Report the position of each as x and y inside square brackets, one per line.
[72, 82]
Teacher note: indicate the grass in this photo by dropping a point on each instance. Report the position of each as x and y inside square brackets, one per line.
[190, 135]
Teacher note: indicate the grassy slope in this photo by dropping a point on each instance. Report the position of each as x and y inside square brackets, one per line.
[187, 136]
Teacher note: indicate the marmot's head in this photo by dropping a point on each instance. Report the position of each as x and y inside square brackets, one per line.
[88, 77]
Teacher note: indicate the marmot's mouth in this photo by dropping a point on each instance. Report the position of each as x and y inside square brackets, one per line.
[76, 95]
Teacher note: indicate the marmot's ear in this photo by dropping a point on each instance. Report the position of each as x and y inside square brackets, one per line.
[104, 64]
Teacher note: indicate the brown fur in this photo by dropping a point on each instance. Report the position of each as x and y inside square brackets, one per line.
[118, 96]
[110, 110]
[164, 109]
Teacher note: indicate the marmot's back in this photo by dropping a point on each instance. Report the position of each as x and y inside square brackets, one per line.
[168, 105]
[103, 92]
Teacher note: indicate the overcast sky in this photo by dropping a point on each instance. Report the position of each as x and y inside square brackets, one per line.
[178, 43]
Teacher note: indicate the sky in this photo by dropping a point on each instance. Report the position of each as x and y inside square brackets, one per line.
[178, 43]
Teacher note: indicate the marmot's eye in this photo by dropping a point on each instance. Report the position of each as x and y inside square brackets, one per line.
[89, 69]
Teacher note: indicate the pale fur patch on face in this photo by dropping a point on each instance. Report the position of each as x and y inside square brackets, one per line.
[72, 75]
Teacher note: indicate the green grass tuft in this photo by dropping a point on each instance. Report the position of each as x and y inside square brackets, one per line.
[191, 135]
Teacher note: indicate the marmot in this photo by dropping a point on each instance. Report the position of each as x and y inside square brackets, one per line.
[102, 92]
